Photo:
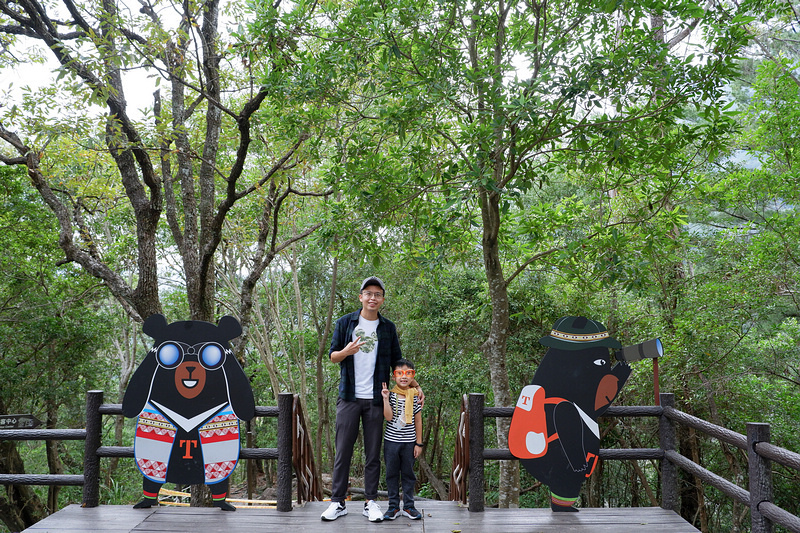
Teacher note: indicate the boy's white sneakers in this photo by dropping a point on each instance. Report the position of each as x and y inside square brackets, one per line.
[373, 511]
[334, 511]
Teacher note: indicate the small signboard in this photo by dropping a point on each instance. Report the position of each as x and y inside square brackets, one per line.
[19, 422]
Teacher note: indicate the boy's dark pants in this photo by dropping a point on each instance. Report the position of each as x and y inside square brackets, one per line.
[399, 457]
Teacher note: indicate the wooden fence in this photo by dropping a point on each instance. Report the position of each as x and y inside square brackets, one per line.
[293, 451]
[467, 480]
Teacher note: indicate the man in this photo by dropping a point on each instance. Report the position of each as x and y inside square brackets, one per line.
[365, 344]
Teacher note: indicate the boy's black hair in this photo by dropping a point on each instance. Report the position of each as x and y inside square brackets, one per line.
[403, 362]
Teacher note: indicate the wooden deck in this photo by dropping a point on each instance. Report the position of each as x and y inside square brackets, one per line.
[438, 517]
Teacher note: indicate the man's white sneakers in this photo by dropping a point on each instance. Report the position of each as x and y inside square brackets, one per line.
[373, 511]
[334, 511]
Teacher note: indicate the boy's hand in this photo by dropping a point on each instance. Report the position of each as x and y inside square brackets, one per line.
[385, 392]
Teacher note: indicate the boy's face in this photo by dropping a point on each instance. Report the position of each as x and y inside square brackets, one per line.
[371, 297]
[403, 376]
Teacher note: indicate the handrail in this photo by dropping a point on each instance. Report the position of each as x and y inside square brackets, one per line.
[731, 490]
[293, 450]
[718, 432]
[309, 486]
[458, 476]
[42, 434]
[760, 454]
[41, 479]
[778, 454]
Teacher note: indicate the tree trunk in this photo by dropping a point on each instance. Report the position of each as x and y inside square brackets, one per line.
[301, 326]
[323, 345]
[494, 348]
[261, 334]
[126, 354]
[206, 174]
[20, 507]
[54, 463]
[437, 484]
[691, 490]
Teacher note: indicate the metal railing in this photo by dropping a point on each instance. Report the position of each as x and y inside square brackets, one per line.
[293, 451]
[467, 481]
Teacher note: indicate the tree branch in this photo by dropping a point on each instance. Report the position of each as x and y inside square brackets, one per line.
[118, 287]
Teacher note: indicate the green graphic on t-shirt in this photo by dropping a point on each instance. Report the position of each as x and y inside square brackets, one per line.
[368, 340]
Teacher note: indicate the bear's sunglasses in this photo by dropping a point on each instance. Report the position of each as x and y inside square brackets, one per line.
[172, 353]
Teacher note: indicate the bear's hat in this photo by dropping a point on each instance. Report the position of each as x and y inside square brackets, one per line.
[577, 333]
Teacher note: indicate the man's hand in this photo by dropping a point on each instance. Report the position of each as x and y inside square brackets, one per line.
[351, 349]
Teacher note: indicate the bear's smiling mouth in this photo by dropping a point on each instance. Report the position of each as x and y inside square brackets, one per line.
[190, 379]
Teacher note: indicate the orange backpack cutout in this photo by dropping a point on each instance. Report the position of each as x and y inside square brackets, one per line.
[527, 437]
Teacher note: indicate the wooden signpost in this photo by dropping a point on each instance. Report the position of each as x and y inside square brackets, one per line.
[19, 422]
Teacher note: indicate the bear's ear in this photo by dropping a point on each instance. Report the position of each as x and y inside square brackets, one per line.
[154, 324]
[229, 327]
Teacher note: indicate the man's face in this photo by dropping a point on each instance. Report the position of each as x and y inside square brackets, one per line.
[371, 297]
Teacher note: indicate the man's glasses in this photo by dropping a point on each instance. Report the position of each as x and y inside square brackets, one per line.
[368, 295]
[400, 373]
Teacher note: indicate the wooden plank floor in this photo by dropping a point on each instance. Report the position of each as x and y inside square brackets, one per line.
[438, 517]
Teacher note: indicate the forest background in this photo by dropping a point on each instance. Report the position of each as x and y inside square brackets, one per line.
[499, 164]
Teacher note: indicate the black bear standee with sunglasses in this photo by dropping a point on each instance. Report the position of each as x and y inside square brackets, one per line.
[188, 395]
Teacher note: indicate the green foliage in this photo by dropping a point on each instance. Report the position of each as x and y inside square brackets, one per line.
[53, 332]
[51, 323]
[605, 150]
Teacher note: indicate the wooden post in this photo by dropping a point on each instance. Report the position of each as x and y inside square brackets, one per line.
[250, 463]
[476, 476]
[760, 474]
[91, 462]
[656, 388]
[667, 441]
[284, 488]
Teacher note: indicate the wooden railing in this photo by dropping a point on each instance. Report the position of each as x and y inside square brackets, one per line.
[293, 450]
[309, 483]
[470, 455]
[458, 478]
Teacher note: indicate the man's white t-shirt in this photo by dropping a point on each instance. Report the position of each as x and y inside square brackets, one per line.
[364, 359]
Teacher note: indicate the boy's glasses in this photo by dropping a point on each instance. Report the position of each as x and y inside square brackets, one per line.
[400, 373]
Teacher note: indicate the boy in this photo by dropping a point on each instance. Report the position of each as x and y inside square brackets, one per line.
[402, 439]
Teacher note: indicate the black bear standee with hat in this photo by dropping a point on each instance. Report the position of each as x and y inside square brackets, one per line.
[188, 395]
[554, 431]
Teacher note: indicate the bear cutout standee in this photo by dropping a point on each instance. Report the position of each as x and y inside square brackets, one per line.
[188, 395]
[554, 430]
